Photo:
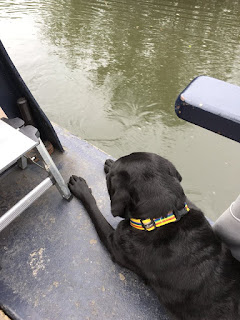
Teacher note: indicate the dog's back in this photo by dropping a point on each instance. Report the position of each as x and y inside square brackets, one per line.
[201, 279]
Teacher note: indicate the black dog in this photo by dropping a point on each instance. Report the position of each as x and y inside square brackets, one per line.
[169, 245]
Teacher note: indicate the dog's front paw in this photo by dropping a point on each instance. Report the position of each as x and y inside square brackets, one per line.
[107, 165]
[79, 188]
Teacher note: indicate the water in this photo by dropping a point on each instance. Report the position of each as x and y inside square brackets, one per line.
[110, 71]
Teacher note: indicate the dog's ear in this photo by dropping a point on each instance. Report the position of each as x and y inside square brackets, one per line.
[173, 172]
[119, 193]
[119, 202]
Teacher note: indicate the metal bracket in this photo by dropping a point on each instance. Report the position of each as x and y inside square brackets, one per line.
[51, 167]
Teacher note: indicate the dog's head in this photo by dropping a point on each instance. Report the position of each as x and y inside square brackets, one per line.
[144, 185]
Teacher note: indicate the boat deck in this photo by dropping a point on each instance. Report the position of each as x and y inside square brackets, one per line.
[52, 264]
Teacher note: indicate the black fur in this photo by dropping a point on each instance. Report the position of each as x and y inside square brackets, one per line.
[192, 272]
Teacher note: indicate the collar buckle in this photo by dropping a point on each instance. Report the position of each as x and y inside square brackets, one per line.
[180, 213]
[148, 225]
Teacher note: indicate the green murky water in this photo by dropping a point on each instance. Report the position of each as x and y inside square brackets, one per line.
[110, 71]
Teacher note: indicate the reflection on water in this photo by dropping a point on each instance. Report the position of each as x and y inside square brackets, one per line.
[110, 71]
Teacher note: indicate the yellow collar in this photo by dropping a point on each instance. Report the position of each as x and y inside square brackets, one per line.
[151, 224]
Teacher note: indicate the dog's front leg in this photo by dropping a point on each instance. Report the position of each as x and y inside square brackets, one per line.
[80, 189]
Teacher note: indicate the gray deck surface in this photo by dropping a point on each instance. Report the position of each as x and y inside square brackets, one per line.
[52, 264]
